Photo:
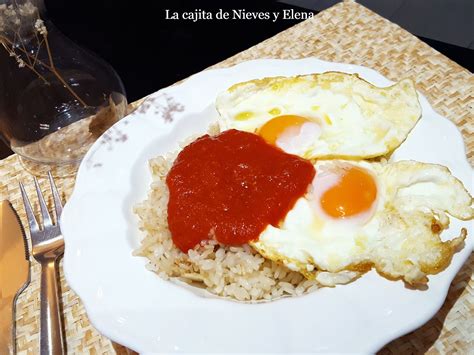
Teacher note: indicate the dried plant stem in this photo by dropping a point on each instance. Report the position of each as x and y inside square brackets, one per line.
[10, 51]
[17, 35]
[55, 72]
[35, 58]
[7, 41]
[36, 72]
[50, 67]
[27, 57]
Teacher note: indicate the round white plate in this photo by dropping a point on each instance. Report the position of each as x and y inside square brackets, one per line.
[136, 308]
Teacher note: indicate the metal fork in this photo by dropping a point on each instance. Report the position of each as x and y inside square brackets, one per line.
[47, 246]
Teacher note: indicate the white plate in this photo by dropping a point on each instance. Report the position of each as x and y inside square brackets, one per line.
[136, 308]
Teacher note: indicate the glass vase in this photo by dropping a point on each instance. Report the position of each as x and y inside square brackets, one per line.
[56, 98]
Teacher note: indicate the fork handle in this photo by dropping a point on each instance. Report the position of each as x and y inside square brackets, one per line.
[51, 331]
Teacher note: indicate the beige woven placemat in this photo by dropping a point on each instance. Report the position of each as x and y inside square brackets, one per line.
[346, 33]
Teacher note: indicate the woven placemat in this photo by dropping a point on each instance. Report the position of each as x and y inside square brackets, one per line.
[346, 33]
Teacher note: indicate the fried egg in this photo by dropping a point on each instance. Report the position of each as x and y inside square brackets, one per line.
[359, 215]
[324, 115]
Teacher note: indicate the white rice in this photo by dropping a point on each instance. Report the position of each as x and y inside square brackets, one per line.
[235, 272]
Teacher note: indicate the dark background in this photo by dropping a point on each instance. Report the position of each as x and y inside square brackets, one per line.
[149, 52]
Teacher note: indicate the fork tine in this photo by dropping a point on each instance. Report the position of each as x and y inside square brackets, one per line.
[58, 206]
[34, 227]
[44, 209]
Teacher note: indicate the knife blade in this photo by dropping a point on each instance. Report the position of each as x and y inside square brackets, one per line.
[14, 273]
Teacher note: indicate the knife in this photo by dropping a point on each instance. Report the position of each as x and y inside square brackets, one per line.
[14, 273]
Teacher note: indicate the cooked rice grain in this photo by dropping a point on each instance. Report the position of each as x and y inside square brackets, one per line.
[236, 272]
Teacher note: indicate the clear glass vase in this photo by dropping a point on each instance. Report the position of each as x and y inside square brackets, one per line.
[56, 98]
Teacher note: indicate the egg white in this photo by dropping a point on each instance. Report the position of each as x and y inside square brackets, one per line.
[355, 118]
[399, 236]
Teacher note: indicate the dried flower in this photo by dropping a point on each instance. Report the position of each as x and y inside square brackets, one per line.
[9, 11]
[9, 19]
[18, 21]
[26, 9]
[40, 27]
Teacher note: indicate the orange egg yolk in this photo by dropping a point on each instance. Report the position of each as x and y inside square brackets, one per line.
[272, 129]
[353, 194]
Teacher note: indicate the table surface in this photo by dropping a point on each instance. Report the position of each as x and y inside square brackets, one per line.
[346, 33]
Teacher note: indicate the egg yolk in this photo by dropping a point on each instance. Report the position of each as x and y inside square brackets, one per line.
[272, 129]
[353, 194]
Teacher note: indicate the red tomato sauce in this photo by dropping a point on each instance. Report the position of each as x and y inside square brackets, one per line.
[230, 187]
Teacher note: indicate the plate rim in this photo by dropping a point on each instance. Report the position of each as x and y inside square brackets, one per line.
[96, 322]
